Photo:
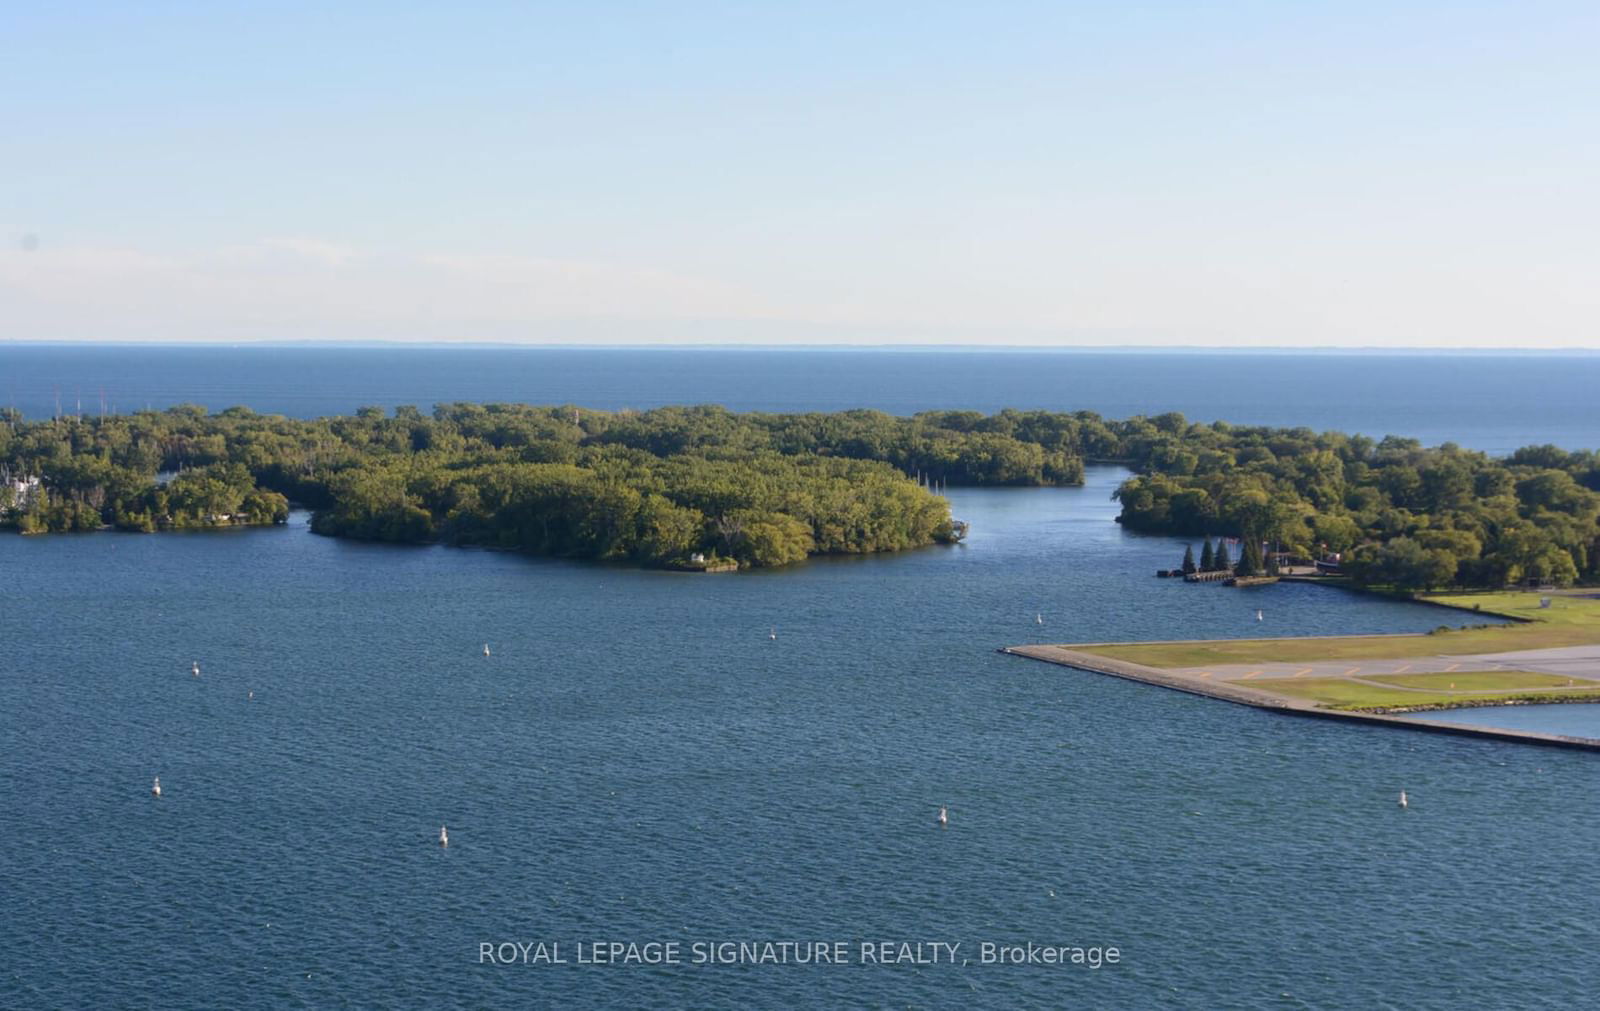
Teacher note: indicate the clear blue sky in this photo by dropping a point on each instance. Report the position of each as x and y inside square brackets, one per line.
[1003, 173]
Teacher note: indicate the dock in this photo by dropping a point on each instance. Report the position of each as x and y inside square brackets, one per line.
[1247, 581]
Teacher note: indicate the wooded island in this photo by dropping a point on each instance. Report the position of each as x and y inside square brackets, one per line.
[663, 486]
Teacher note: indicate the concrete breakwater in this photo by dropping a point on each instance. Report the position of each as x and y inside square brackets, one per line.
[1067, 656]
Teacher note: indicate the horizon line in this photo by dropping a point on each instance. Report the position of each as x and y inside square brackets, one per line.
[379, 343]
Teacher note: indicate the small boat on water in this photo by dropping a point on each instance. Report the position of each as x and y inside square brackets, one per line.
[772, 634]
[1403, 801]
[155, 789]
[1258, 615]
[444, 837]
[944, 816]
[194, 668]
[485, 649]
[1039, 618]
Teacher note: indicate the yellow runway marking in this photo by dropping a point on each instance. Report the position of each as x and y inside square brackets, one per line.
[1402, 670]
[1353, 670]
[1204, 674]
[1451, 667]
[1302, 672]
[1250, 675]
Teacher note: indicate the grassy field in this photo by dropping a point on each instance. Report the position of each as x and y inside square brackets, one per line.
[1481, 680]
[1565, 610]
[1569, 621]
[1343, 693]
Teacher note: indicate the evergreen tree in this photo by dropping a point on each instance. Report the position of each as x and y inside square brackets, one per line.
[1188, 559]
[1272, 564]
[1207, 558]
[1249, 558]
[1221, 560]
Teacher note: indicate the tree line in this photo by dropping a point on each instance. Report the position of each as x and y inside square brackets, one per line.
[1396, 513]
[764, 488]
[657, 488]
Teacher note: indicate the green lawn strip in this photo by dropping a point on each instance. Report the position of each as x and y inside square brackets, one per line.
[1480, 680]
[1563, 610]
[1569, 621]
[1342, 693]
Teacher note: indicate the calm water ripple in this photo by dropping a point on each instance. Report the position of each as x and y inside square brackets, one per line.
[639, 761]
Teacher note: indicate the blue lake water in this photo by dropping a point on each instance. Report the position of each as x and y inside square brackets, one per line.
[639, 761]
[1495, 403]
[1573, 719]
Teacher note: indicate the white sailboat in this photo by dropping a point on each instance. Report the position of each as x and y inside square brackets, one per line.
[944, 816]
[1403, 801]
[1258, 615]
[155, 789]
[773, 634]
[444, 837]
[1039, 618]
[194, 668]
[485, 649]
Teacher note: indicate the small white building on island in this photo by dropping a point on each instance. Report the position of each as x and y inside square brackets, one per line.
[24, 490]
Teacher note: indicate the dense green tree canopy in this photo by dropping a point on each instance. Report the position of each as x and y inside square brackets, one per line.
[659, 486]
[1399, 514]
[653, 488]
